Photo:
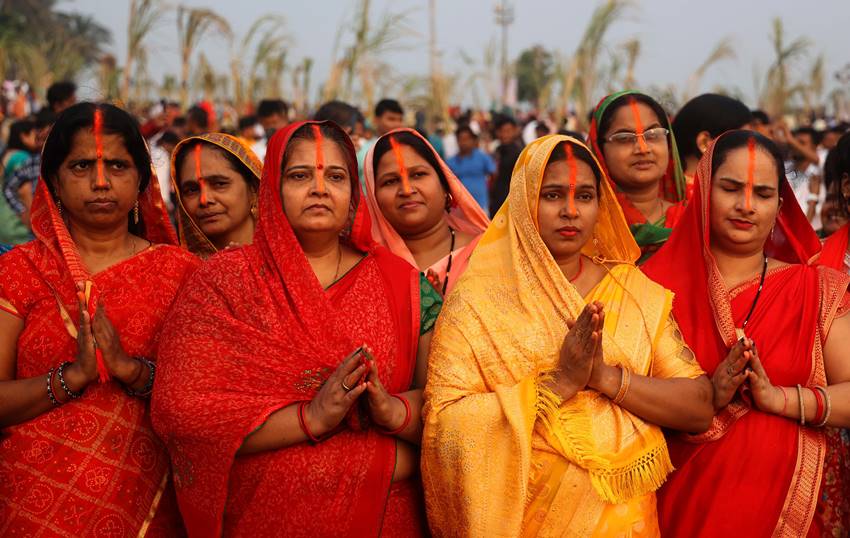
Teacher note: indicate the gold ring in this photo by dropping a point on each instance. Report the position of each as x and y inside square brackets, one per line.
[346, 387]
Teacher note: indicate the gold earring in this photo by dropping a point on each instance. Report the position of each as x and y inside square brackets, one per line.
[136, 213]
[254, 210]
[59, 206]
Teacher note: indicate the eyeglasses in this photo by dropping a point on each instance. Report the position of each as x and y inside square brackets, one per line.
[650, 136]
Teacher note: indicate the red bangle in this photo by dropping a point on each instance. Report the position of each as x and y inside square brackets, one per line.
[303, 423]
[819, 410]
[406, 418]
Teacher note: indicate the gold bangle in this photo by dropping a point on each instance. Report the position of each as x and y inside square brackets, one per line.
[625, 381]
[802, 405]
[823, 422]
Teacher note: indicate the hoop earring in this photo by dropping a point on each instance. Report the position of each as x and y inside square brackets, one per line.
[136, 213]
[450, 201]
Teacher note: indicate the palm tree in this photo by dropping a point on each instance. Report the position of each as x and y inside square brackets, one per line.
[144, 16]
[269, 44]
[813, 91]
[580, 73]
[361, 59]
[778, 90]
[723, 50]
[192, 25]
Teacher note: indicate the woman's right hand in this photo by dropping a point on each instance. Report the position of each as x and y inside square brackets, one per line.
[84, 370]
[575, 364]
[331, 404]
[731, 373]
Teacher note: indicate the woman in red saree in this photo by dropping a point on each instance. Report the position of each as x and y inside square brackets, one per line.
[748, 248]
[276, 425]
[630, 135]
[420, 210]
[77, 457]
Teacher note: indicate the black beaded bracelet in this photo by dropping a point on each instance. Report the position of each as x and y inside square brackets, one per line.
[61, 373]
[148, 388]
[50, 394]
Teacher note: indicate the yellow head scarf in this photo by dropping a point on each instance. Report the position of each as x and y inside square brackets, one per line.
[501, 327]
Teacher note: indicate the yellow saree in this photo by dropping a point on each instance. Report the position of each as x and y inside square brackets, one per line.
[501, 456]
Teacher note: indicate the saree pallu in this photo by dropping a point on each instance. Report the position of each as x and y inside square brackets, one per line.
[252, 332]
[766, 464]
[93, 466]
[501, 455]
[834, 510]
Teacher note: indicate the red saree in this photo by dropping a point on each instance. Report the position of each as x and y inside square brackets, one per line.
[753, 473]
[252, 332]
[91, 467]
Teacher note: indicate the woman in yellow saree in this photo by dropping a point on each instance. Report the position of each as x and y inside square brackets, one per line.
[543, 412]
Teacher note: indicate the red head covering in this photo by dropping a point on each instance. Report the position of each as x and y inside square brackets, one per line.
[835, 248]
[253, 331]
[700, 292]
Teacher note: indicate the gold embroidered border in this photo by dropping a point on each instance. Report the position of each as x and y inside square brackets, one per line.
[143, 530]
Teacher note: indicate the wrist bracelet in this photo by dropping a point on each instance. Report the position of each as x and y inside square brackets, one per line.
[60, 373]
[802, 405]
[303, 423]
[785, 400]
[406, 421]
[819, 406]
[148, 388]
[50, 394]
[625, 381]
[826, 414]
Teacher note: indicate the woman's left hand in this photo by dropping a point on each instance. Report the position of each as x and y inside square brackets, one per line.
[122, 367]
[766, 396]
[386, 411]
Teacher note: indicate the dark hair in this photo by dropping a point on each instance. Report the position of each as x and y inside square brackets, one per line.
[343, 114]
[579, 152]
[16, 133]
[240, 167]
[816, 136]
[709, 112]
[571, 134]
[45, 118]
[421, 147]
[198, 116]
[608, 116]
[247, 121]
[168, 137]
[270, 107]
[329, 131]
[761, 116]
[740, 138]
[81, 116]
[465, 129]
[842, 163]
[503, 119]
[388, 105]
[60, 91]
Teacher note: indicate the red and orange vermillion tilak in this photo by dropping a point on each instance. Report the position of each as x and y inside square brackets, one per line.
[402, 169]
[573, 167]
[98, 144]
[751, 172]
[320, 158]
[199, 176]
[638, 125]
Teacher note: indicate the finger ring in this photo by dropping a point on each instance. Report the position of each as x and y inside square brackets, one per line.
[346, 387]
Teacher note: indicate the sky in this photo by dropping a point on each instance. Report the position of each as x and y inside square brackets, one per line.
[676, 36]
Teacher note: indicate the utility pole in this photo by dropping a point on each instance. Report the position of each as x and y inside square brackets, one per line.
[504, 17]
